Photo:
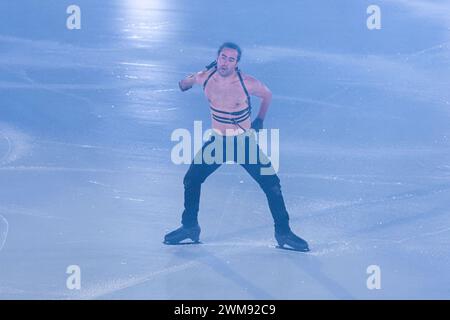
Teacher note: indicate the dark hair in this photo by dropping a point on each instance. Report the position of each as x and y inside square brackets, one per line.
[231, 45]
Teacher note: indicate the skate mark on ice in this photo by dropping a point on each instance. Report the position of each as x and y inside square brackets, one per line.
[115, 285]
[117, 192]
[99, 184]
[121, 151]
[112, 286]
[421, 235]
[335, 248]
[386, 199]
[138, 153]
[437, 47]
[4, 228]
[351, 179]
[27, 212]
[129, 199]
[6, 154]
[55, 88]
[426, 234]
[401, 221]
[13, 144]
[364, 152]
[52, 169]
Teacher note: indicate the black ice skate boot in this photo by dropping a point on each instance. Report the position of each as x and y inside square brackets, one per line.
[183, 233]
[293, 241]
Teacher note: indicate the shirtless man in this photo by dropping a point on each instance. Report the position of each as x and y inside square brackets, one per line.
[228, 91]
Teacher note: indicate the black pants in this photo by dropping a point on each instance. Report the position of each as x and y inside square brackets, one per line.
[270, 184]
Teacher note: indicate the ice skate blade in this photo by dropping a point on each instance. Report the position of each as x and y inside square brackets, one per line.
[292, 249]
[181, 243]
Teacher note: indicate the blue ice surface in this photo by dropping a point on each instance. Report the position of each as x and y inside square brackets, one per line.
[86, 177]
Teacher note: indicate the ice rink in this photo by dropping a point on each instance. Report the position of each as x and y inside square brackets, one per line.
[86, 176]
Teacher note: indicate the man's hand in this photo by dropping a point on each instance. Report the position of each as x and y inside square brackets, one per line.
[183, 88]
[257, 124]
[187, 83]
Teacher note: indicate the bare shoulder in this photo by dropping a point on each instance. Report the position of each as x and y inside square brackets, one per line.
[250, 80]
[201, 76]
[254, 86]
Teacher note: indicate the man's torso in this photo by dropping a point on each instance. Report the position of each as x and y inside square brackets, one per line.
[227, 96]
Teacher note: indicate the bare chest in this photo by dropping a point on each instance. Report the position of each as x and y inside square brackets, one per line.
[226, 96]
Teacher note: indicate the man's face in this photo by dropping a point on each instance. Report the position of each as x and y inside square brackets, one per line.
[227, 61]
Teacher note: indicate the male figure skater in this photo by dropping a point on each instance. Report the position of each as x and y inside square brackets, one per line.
[228, 91]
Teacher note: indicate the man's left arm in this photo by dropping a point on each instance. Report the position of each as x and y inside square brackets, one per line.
[259, 89]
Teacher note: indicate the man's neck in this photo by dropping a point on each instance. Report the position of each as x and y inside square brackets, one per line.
[229, 78]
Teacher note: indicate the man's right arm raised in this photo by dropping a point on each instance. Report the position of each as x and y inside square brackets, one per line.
[188, 82]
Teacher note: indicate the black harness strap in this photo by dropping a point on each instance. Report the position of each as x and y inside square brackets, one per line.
[234, 113]
[231, 120]
[209, 77]
[245, 89]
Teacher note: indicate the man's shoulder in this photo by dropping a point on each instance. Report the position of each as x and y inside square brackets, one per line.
[250, 81]
[201, 76]
[254, 86]
[247, 77]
